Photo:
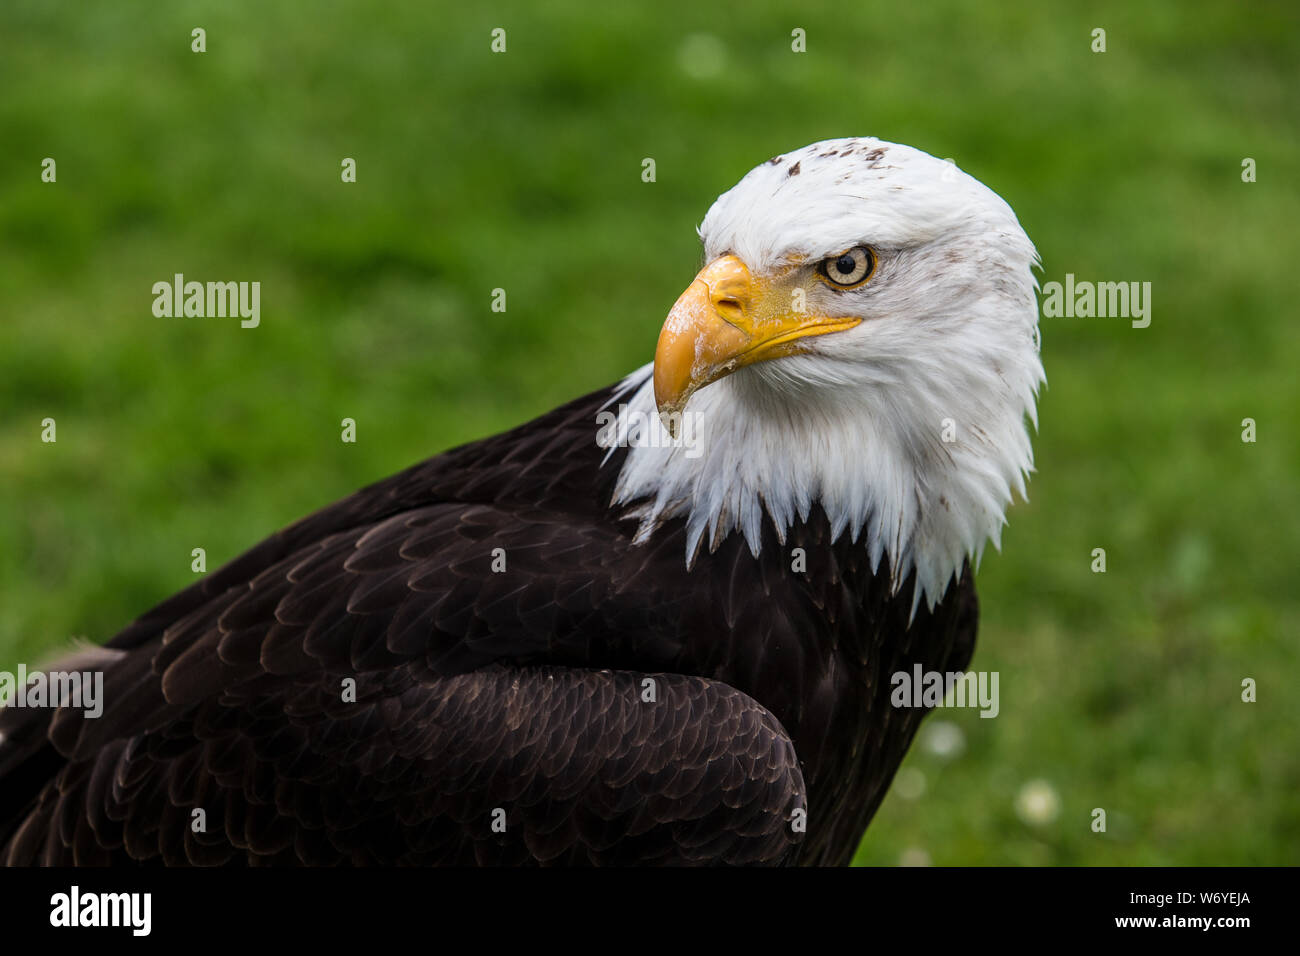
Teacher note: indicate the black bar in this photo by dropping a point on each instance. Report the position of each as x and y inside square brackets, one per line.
[331, 907]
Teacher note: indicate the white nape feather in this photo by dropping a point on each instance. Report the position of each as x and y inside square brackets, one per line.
[856, 424]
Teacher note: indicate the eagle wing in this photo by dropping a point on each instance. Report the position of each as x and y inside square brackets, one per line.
[468, 662]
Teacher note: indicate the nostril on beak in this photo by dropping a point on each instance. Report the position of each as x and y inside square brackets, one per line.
[728, 307]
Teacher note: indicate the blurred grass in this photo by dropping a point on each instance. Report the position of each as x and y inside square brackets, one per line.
[522, 170]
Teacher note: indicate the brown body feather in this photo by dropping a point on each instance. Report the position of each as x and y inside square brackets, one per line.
[477, 691]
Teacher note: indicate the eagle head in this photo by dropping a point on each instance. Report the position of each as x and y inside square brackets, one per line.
[863, 337]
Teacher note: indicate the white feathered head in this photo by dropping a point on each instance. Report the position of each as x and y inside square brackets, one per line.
[864, 336]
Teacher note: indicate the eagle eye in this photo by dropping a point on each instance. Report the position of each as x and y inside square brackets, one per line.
[848, 269]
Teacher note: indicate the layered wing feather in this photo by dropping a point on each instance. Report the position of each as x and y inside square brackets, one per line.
[371, 685]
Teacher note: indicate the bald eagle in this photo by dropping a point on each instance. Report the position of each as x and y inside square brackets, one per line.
[656, 625]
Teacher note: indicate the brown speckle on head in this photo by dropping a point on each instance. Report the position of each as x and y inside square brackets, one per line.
[794, 170]
[873, 155]
[775, 160]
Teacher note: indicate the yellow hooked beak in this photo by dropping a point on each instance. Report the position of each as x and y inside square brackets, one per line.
[726, 319]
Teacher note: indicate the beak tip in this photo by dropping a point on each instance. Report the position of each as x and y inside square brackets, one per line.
[670, 416]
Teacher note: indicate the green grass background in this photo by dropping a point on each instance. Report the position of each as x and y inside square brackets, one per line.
[1119, 690]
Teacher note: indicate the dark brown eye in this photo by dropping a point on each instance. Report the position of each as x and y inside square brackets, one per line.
[848, 268]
